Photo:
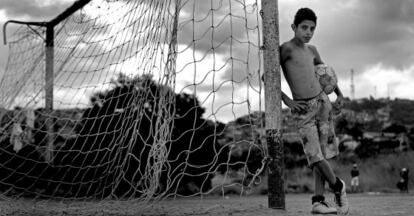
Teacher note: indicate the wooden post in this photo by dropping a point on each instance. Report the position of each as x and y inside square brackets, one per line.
[273, 105]
[49, 77]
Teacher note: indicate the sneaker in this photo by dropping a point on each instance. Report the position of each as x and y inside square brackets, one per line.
[323, 208]
[341, 200]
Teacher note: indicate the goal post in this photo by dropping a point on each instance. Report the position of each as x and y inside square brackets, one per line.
[49, 42]
[144, 100]
[273, 106]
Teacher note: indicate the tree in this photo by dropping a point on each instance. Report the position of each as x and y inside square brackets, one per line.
[356, 131]
[117, 133]
[395, 128]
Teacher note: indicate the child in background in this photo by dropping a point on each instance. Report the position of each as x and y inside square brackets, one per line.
[354, 178]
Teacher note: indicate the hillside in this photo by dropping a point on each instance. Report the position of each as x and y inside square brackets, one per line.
[399, 111]
[359, 118]
[371, 114]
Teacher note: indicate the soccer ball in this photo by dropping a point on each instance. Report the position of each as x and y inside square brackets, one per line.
[327, 77]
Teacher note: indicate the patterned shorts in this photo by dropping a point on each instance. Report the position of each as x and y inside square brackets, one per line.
[316, 128]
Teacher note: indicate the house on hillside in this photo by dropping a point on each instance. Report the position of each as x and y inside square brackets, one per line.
[348, 141]
[378, 136]
[383, 114]
[388, 141]
[404, 141]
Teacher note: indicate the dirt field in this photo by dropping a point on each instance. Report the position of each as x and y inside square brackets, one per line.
[296, 205]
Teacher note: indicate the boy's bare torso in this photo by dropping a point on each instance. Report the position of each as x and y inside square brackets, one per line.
[298, 68]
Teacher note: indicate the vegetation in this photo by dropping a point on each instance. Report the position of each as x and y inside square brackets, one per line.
[108, 149]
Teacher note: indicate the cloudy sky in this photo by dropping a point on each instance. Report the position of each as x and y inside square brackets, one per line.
[374, 38]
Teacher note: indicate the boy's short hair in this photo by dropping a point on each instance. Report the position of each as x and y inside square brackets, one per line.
[304, 14]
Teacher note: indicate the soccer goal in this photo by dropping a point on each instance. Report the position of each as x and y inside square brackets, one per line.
[141, 100]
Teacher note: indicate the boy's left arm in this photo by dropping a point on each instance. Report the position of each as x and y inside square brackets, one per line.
[339, 97]
[318, 60]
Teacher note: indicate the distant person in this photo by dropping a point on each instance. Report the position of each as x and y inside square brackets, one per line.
[354, 178]
[312, 107]
[403, 183]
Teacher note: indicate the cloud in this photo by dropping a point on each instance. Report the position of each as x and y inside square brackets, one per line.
[350, 34]
[222, 86]
[26, 10]
[36, 9]
[381, 81]
[397, 11]
[231, 101]
[217, 26]
[90, 51]
[218, 44]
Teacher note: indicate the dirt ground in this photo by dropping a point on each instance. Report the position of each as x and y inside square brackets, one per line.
[296, 205]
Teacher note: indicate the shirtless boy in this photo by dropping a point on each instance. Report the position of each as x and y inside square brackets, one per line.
[312, 107]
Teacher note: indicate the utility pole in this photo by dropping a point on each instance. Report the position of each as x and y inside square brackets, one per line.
[352, 85]
[388, 91]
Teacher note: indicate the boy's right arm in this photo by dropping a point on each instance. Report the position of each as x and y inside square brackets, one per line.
[296, 106]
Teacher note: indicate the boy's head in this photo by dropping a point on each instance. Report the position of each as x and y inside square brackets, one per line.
[304, 24]
[304, 14]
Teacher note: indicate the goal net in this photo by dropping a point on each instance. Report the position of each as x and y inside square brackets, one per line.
[151, 99]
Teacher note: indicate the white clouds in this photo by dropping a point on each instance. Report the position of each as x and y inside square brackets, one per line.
[46, 3]
[352, 34]
[207, 74]
[33, 9]
[382, 81]
[3, 16]
[349, 4]
[195, 67]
